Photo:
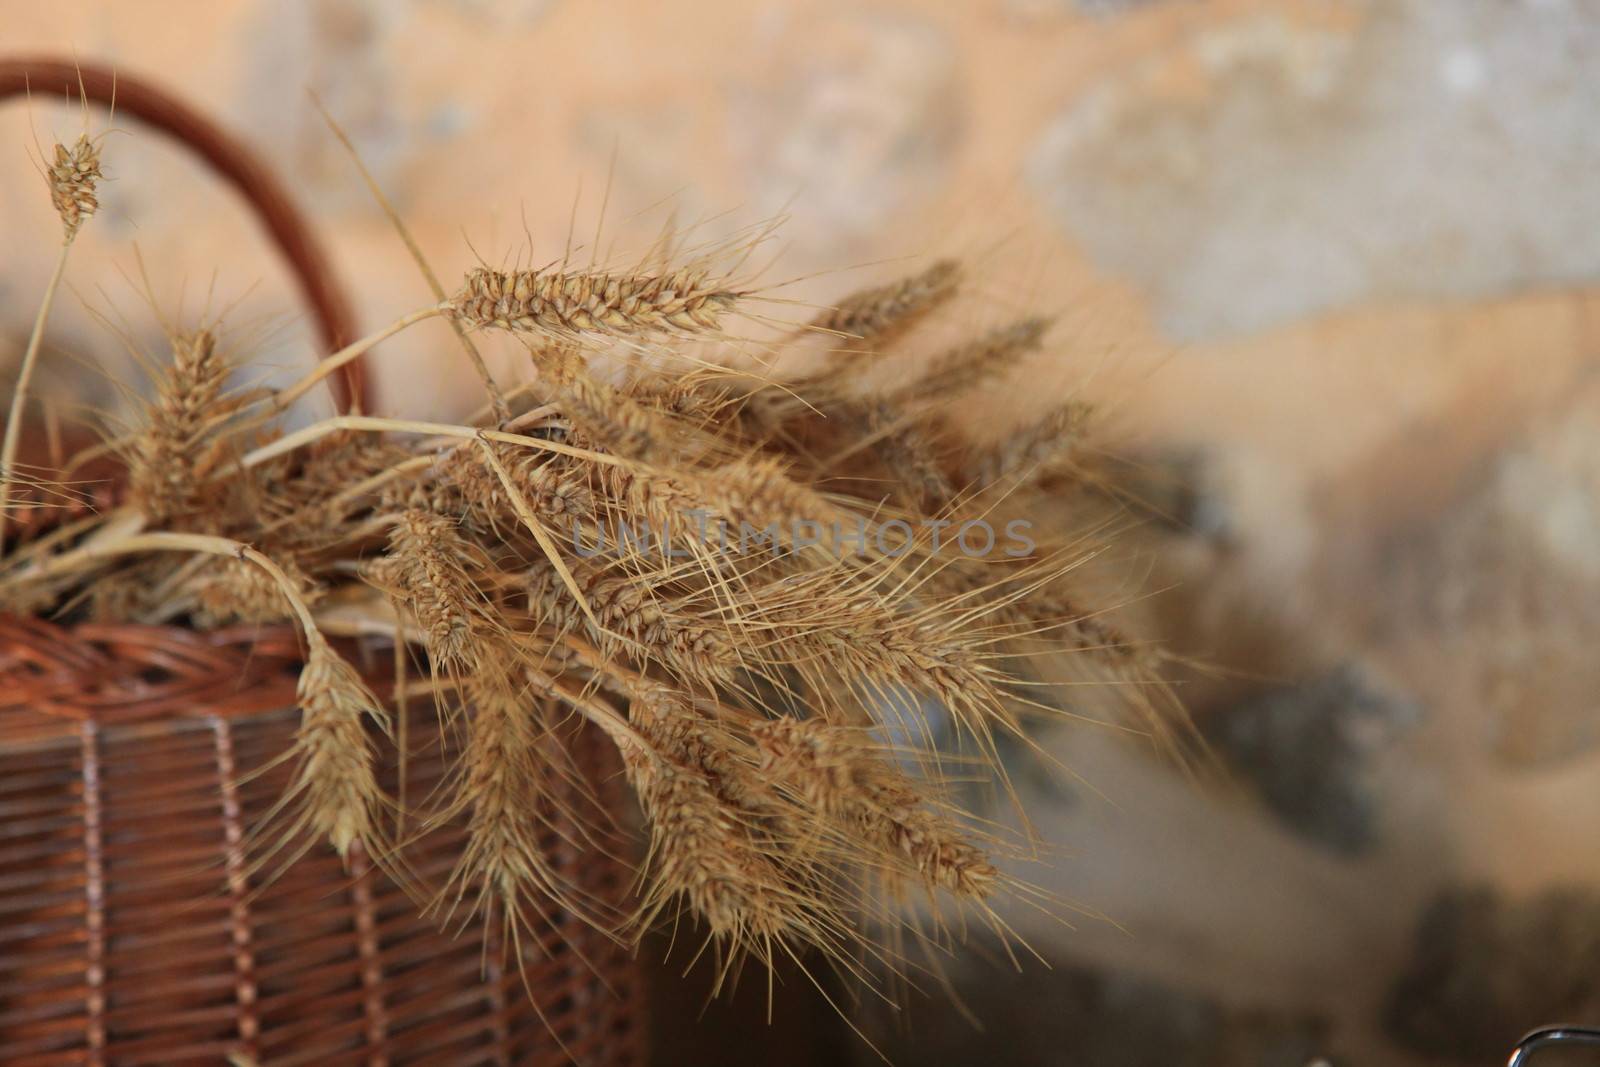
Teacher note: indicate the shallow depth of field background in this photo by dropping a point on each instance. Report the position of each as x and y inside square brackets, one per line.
[1333, 270]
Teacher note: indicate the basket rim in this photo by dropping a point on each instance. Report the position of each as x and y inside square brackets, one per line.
[123, 673]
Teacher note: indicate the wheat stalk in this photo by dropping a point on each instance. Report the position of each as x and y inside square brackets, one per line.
[570, 305]
[164, 460]
[877, 313]
[334, 780]
[72, 179]
[956, 371]
[497, 399]
[834, 771]
[503, 784]
[427, 568]
[1035, 451]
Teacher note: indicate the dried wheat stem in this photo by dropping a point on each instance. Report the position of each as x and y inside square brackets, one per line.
[235, 590]
[8, 453]
[875, 313]
[282, 400]
[345, 497]
[373, 424]
[47, 543]
[497, 399]
[535, 527]
[526, 419]
[179, 542]
[616, 728]
[354, 350]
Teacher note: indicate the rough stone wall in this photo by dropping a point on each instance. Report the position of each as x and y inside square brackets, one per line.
[1338, 258]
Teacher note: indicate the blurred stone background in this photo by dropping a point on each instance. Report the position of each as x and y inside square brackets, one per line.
[1331, 268]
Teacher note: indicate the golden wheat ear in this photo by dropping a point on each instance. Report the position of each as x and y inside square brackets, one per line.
[704, 852]
[1036, 450]
[503, 783]
[873, 316]
[426, 571]
[228, 591]
[335, 784]
[879, 808]
[569, 306]
[606, 415]
[166, 454]
[74, 175]
[956, 371]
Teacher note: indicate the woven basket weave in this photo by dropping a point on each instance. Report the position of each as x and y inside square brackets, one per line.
[136, 762]
[133, 931]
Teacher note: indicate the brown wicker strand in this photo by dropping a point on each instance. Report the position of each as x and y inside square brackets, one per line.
[238, 889]
[495, 990]
[94, 896]
[367, 942]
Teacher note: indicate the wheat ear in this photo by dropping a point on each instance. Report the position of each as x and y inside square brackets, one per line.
[164, 459]
[427, 565]
[567, 305]
[1035, 450]
[834, 771]
[957, 370]
[335, 773]
[503, 788]
[872, 315]
[72, 179]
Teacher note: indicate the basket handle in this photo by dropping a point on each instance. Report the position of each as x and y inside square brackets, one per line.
[230, 160]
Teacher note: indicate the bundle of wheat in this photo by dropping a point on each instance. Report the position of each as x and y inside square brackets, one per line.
[144, 916]
[753, 588]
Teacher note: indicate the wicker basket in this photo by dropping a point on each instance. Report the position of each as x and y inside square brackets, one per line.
[133, 931]
[134, 927]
